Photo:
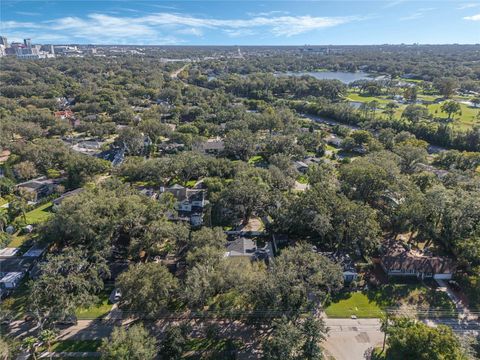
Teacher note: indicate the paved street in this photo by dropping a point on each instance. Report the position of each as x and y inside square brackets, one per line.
[348, 339]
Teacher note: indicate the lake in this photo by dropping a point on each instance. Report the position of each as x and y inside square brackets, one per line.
[343, 76]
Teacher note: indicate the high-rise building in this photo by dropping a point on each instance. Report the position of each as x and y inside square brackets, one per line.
[3, 41]
[28, 43]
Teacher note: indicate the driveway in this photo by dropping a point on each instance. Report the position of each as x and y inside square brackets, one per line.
[463, 311]
[349, 339]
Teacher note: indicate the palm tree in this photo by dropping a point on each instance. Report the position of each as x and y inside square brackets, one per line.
[373, 105]
[390, 110]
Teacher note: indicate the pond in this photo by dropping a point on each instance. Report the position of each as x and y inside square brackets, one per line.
[343, 76]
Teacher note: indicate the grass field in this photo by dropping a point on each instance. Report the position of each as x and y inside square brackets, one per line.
[357, 304]
[76, 345]
[40, 214]
[370, 304]
[360, 98]
[100, 309]
[465, 121]
[18, 240]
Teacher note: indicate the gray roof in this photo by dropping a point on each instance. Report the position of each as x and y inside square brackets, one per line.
[241, 247]
[15, 264]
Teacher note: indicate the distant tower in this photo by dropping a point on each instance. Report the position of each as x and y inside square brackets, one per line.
[28, 43]
[3, 41]
[52, 50]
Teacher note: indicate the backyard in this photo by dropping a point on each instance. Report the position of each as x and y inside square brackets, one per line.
[39, 214]
[35, 216]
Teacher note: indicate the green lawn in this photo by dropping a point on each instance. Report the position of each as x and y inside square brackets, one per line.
[212, 345]
[357, 304]
[76, 345]
[302, 179]
[369, 304]
[353, 96]
[465, 121]
[40, 214]
[190, 183]
[18, 240]
[255, 159]
[100, 309]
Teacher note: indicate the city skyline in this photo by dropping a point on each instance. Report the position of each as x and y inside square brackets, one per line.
[241, 23]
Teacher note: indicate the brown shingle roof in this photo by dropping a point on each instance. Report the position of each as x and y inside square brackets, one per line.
[399, 258]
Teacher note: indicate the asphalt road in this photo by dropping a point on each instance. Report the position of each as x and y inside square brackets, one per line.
[348, 339]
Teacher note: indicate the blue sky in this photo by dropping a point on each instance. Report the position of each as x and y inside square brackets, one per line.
[241, 22]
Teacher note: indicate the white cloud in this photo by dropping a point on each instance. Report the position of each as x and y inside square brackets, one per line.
[420, 13]
[393, 3]
[269, 13]
[190, 31]
[468, 6]
[165, 27]
[27, 13]
[473, 17]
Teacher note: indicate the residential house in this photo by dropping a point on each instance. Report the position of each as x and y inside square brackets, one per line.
[399, 260]
[348, 266]
[334, 140]
[170, 148]
[39, 188]
[301, 166]
[58, 201]
[67, 114]
[213, 146]
[190, 203]
[244, 247]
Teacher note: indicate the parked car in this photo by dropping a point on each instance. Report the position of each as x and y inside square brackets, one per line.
[115, 296]
[68, 320]
[454, 285]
